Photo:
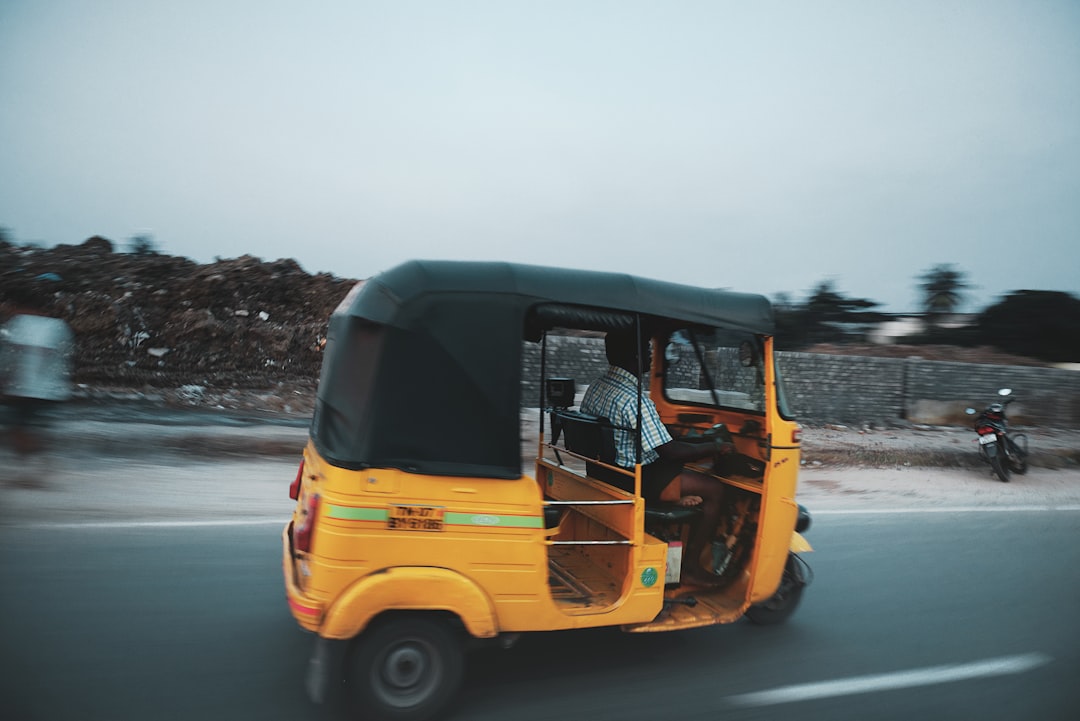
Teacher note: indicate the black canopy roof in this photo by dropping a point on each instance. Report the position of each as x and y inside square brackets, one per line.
[421, 369]
[392, 296]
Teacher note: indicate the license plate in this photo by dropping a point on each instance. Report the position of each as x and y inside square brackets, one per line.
[416, 518]
[988, 438]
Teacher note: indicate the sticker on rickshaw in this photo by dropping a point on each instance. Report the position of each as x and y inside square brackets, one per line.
[416, 518]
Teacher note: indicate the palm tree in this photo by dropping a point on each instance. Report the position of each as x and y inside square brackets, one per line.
[826, 316]
[943, 289]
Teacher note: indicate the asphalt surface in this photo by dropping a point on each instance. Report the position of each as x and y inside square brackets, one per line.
[910, 617]
[142, 580]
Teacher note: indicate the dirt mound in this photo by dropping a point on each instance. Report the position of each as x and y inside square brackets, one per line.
[222, 333]
[156, 321]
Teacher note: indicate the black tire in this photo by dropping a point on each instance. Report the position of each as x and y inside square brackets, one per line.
[779, 607]
[1018, 453]
[1000, 466]
[405, 668]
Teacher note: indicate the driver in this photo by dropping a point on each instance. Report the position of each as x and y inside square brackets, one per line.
[614, 396]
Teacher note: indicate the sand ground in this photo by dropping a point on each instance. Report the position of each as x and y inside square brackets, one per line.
[101, 472]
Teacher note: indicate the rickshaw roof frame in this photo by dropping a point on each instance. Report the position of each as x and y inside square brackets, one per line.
[387, 298]
[423, 362]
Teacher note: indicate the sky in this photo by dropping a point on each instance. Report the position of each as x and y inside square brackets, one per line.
[758, 146]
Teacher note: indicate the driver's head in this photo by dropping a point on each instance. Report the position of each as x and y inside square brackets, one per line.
[622, 350]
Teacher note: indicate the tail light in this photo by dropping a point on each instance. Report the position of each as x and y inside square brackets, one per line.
[302, 533]
[796, 434]
[294, 489]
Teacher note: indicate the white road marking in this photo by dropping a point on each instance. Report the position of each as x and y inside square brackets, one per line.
[279, 521]
[890, 681]
[940, 509]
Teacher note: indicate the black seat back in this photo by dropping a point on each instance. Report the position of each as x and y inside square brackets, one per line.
[594, 437]
[584, 434]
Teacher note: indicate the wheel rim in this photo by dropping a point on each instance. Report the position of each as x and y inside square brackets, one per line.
[406, 673]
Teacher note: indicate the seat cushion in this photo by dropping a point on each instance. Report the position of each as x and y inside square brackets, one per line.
[671, 513]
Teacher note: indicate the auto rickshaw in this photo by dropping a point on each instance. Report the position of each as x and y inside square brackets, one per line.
[418, 527]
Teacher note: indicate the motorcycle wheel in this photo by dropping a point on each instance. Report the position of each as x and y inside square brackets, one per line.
[1018, 453]
[1000, 466]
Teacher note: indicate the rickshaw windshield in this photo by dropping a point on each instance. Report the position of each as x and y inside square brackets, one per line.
[715, 367]
[782, 404]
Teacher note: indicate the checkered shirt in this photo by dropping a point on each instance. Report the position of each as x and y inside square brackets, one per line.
[614, 396]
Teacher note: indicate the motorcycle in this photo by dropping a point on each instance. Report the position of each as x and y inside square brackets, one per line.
[1006, 453]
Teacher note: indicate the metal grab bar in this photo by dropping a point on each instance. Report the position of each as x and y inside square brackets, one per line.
[585, 504]
[580, 457]
[618, 469]
[627, 502]
[589, 543]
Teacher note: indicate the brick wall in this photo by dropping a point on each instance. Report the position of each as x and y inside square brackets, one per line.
[1044, 396]
[582, 359]
[843, 389]
[859, 389]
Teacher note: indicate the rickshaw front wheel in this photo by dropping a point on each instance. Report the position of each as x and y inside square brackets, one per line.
[405, 668]
[778, 607]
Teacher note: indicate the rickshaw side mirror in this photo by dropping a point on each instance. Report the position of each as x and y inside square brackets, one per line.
[672, 354]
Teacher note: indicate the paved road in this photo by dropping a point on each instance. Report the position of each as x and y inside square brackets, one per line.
[189, 622]
[161, 623]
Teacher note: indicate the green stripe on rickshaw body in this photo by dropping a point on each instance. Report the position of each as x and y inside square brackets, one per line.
[481, 520]
[352, 513]
[493, 521]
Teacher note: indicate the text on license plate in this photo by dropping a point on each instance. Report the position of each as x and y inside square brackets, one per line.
[416, 518]
[988, 438]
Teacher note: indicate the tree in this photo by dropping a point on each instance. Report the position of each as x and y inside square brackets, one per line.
[1039, 324]
[143, 245]
[827, 316]
[943, 289]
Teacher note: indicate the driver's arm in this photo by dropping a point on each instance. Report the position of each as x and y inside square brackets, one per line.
[671, 449]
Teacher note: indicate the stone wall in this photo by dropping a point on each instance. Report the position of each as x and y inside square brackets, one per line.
[859, 389]
[1044, 396]
[843, 389]
[582, 359]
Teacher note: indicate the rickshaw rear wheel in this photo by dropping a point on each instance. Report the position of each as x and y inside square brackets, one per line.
[403, 668]
[779, 607]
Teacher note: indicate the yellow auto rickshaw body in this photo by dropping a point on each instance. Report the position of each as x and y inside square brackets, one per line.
[415, 496]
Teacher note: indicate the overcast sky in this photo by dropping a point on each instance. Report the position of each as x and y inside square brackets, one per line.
[758, 146]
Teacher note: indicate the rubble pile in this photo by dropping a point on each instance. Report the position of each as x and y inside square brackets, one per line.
[236, 333]
[154, 321]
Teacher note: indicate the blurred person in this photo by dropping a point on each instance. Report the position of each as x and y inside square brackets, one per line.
[35, 373]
